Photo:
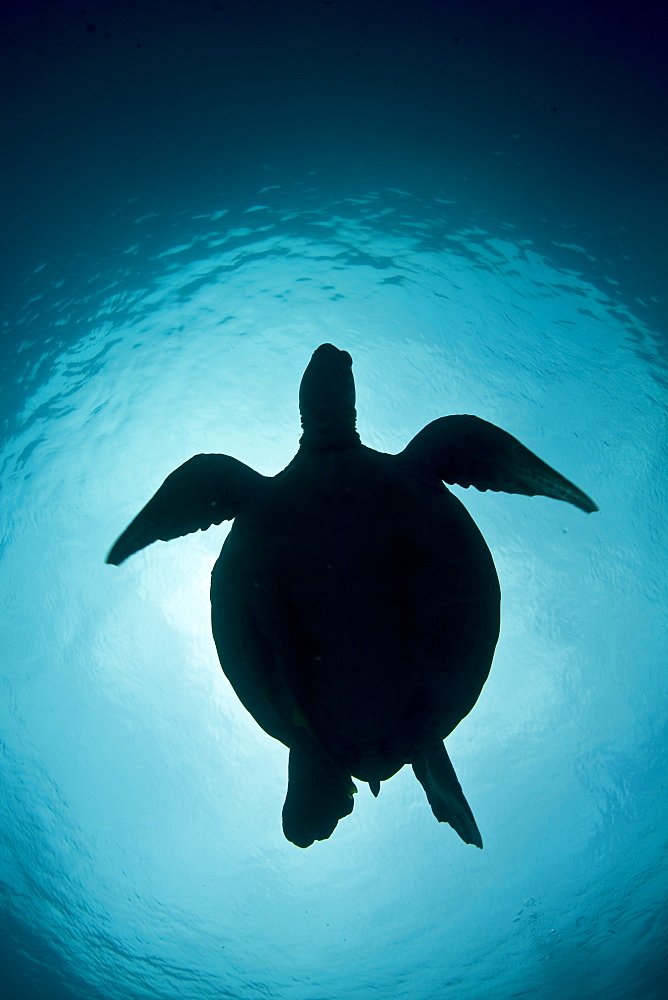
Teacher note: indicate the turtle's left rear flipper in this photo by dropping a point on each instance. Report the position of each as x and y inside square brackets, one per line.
[318, 797]
[436, 774]
[205, 490]
[468, 451]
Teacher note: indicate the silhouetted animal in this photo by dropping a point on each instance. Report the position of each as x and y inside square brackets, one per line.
[355, 604]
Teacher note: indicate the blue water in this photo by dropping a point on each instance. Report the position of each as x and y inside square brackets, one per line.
[181, 233]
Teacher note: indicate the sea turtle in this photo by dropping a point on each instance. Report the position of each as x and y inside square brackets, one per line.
[355, 604]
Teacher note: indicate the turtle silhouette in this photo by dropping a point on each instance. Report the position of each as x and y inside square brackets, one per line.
[355, 604]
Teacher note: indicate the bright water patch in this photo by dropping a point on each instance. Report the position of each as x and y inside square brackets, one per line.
[142, 846]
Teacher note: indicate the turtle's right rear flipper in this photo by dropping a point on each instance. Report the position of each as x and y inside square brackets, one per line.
[318, 797]
[444, 793]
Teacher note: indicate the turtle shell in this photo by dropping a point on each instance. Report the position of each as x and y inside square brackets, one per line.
[358, 601]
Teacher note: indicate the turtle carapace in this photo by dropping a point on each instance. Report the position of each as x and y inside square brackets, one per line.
[355, 604]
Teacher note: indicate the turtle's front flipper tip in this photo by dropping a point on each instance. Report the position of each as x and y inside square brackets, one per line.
[136, 536]
[119, 552]
[436, 774]
[551, 484]
[587, 504]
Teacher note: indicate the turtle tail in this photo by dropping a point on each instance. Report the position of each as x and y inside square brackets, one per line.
[436, 774]
[318, 796]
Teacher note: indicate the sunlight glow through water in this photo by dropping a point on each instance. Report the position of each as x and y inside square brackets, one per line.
[142, 822]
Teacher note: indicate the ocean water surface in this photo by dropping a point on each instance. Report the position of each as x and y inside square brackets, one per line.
[469, 199]
[142, 842]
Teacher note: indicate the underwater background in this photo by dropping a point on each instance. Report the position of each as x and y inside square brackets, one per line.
[470, 198]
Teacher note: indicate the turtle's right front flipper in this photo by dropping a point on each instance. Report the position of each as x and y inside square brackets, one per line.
[205, 490]
[469, 451]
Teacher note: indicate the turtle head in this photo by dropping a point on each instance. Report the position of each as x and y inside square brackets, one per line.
[327, 400]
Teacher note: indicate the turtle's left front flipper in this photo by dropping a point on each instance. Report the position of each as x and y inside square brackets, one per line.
[469, 451]
[205, 490]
